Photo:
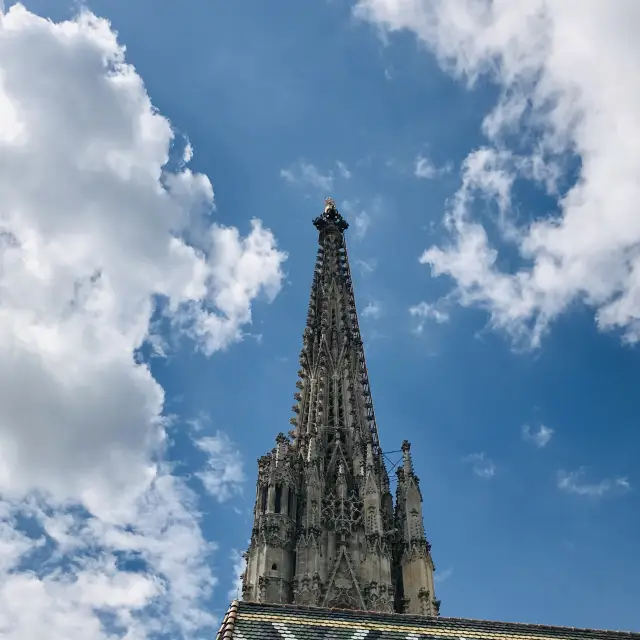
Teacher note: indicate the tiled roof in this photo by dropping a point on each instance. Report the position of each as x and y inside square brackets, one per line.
[253, 621]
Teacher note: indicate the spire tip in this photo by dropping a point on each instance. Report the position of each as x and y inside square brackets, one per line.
[331, 218]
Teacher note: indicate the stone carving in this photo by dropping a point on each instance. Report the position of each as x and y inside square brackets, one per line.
[275, 530]
[342, 515]
[263, 583]
[415, 549]
[379, 597]
[425, 603]
[342, 590]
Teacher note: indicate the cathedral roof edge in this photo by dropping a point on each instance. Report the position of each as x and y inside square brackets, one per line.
[228, 622]
[255, 619]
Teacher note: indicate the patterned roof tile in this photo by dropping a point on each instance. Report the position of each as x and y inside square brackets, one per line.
[254, 621]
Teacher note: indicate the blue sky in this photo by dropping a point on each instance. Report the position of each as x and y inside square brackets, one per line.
[514, 375]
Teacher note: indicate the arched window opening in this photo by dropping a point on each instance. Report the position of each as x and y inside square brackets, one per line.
[278, 506]
[263, 500]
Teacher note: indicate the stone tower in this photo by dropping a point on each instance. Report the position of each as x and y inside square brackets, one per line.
[325, 530]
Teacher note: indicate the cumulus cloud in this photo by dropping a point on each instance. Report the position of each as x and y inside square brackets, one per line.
[481, 465]
[539, 438]
[96, 240]
[573, 482]
[223, 475]
[570, 88]
[143, 569]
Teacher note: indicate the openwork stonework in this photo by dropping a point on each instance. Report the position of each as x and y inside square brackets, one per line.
[326, 532]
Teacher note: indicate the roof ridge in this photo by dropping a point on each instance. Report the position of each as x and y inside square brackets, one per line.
[228, 622]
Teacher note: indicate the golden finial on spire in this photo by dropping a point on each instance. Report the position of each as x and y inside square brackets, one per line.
[329, 204]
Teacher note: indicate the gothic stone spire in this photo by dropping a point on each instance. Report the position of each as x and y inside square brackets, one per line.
[325, 532]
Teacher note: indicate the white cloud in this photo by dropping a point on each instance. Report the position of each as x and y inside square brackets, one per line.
[572, 482]
[482, 465]
[372, 310]
[361, 223]
[361, 218]
[188, 153]
[427, 170]
[239, 270]
[441, 576]
[94, 238]
[539, 438]
[343, 169]
[239, 566]
[367, 266]
[77, 577]
[223, 475]
[426, 310]
[357, 217]
[306, 174]
[569, 83]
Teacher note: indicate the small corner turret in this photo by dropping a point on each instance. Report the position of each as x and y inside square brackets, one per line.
[413, 552]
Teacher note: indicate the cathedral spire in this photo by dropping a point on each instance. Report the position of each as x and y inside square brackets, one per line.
[325, 532]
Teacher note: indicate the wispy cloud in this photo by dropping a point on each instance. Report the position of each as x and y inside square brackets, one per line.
[425, 168]
[343, 170]
[425, 311]
[305, 174]
[441, 576]
[537, 69]
[366, 266]
[539, 438]
[358, 217]
[223, 475]
[572, 482]
[433, 311]
[361, 223]
[239, 566]
[372, 310]
[482, 466]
